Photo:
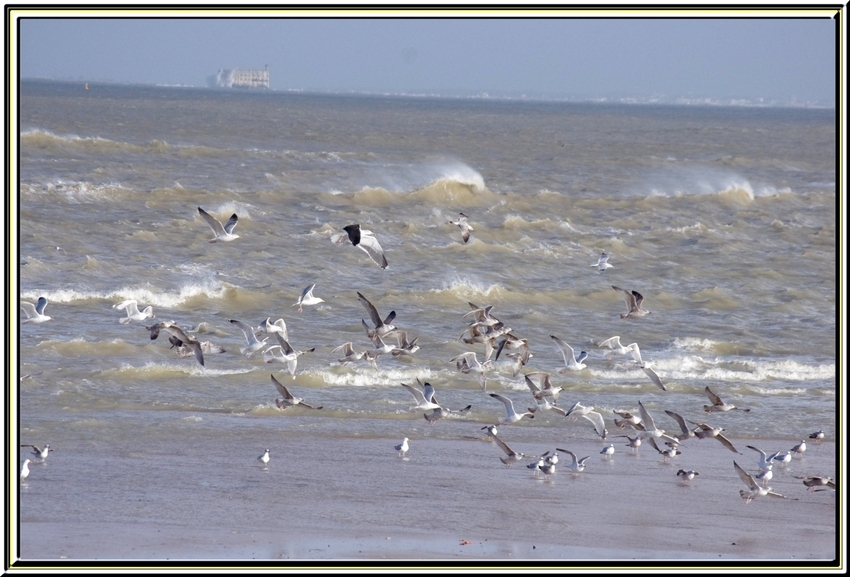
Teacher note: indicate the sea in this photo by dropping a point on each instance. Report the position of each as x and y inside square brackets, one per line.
[723, 218]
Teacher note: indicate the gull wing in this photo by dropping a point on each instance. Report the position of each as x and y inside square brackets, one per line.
[248, 330]
[282, 389]
[645, 417]
[373, 248]
[234, 220]
[598, 423]
[565, 350]
[726, 443]
[417, 394]
[39, 307]
[370, 308]
[748, 479]
[504, 446]
[130, 305]
[653, 376]
[284, 344]
[213, 222]
[681, 421]
[29, 309]
[612, 343]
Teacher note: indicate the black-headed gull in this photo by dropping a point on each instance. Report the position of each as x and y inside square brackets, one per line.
[222, 233]
[363, 239]
[307, 298]
[463, 224]
[633, 301]
[133, 312]
[289, 400]
[572, 362]
[35, 312]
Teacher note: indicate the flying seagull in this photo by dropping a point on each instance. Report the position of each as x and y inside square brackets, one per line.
[289, 400]
[633, 301]
[365, 240]
[462, 223]
[307, 298]
[222, 233]
[133, 312]
[35, 312]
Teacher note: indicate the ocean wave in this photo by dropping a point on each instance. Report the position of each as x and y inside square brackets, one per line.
[96, 144]
[77, 192]
[153, 370]
[144, 295]
[742, 370]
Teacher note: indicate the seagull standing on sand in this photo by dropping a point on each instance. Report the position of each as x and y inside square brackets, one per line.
[133, 313]
[633, 443]
[817, 436]
[572, 362]
[363, 239]
[222, 233]
[686, 475]
[462, 223]
[607, 451]
[264, 458]
[402, 448]
[633, 301]
[307, 298]
[35, 312]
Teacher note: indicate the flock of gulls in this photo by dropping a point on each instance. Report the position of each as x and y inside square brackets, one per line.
[483, 329]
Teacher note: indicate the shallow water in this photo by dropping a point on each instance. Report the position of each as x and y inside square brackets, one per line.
[723, 218]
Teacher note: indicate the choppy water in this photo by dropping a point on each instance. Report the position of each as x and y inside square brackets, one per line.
[723, 218]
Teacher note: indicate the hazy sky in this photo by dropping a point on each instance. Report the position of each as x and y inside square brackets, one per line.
[774, 59]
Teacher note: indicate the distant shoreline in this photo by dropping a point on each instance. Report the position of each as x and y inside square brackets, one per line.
[708, 102]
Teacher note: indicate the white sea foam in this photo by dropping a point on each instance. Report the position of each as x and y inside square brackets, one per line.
[144, 295]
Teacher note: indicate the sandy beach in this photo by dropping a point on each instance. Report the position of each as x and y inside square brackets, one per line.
[454, 500]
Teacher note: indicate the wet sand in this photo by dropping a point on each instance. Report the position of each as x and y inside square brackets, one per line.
[453, 500]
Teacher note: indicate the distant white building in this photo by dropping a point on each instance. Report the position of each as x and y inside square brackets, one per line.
[237, 78]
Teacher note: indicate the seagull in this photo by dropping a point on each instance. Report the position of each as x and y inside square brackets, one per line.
[628, 419]
[254, 345]
[649, 426]
[468, 363]
[25, 469]
[289, 400]
[633, 301]
[812, 482]
[511, 416]
[517, 344]
[764, 461]
[284, 353]
[402, 447]
[491, 430]
[544, 389]
[704, 431]
[423, 396]
[573, 363]
[482, 316]
[686, 432]
[798, 450]
[222, 233]
[607, 451]
[669, 453]
[133, 313]
[186, 342]
[686, 476]
[765, 475]
[382, 327]
[543, 404]
[782, 458]
[595, 418]
[187, 350]
[268, 327]
[653, 376]
[465, 229]
[817, 436]
[40, 453]
[405, 347]
[35, 312]
[717, 405]
[441, 412]
[307, 298]
[381, 347]
[577, 465]
[350, 354]
[365, 240]
[264, 458]
[754, 489]
[617, 348]
[633, 443]
[512, 456]
[602, 263]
